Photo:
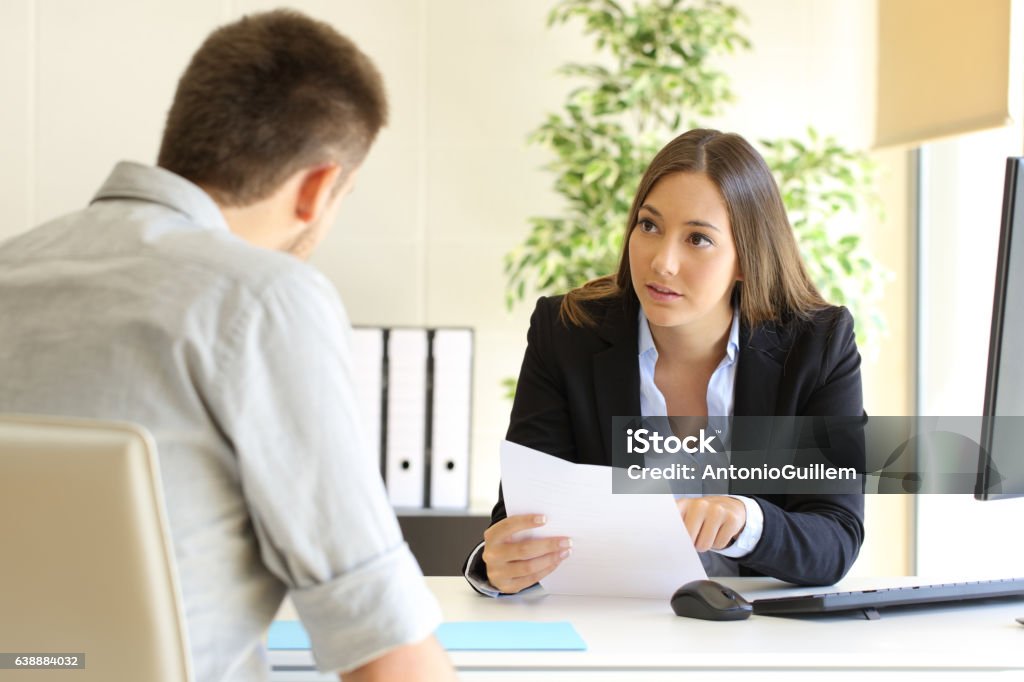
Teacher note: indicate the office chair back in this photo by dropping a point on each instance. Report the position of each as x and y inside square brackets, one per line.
[86, 564]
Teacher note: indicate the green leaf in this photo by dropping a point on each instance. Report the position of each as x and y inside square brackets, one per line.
[656, 72]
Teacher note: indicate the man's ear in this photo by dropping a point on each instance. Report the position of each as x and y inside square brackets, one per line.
[315, 191]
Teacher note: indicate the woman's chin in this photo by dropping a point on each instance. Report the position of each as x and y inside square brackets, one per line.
[658, 316]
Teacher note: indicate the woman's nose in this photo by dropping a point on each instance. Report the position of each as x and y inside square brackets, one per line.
[666, 260]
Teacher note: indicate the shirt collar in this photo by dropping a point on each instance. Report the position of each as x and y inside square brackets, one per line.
[645, 342]
[130, 180]
[733, 345]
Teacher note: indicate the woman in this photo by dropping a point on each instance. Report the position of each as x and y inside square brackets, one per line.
[711, 312]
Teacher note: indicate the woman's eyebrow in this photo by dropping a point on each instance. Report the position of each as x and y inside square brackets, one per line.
[696, 223]
[702, 223]
[651, 209]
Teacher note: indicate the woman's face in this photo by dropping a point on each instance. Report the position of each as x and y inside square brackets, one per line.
[681, 252]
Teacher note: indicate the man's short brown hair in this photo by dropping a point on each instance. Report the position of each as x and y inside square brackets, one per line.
[266, 96]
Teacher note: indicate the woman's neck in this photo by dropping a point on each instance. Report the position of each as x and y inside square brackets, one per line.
[703, 341]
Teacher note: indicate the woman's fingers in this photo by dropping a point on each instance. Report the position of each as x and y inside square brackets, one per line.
[528, 549]
[514, 576]
[499, 554]
[513, 524]
[712, 522]
[512, 564]
[521, 583]
[693, 516]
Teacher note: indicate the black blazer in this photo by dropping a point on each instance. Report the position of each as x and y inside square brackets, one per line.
[575, 379]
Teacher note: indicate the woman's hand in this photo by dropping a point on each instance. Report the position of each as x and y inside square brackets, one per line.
[713, 521]
[513, 565]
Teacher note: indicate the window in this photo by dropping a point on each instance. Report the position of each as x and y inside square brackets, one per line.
[961, 183]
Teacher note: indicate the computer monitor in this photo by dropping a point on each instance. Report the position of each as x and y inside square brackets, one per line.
[1001, 464]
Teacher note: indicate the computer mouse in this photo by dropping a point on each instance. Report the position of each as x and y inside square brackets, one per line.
[709, 600]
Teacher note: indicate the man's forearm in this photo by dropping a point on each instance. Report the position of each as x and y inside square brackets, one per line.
[424, 661]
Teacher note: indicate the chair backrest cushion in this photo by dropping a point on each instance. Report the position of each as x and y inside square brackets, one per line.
[86, 564]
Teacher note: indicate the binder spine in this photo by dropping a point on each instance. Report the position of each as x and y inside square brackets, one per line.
[383, 423]
[428, 425]
[415, 388]
[452, 406]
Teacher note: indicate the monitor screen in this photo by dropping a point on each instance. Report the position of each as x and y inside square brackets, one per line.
[1001, 465]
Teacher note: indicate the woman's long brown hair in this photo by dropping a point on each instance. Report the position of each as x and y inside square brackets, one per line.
[775, 282]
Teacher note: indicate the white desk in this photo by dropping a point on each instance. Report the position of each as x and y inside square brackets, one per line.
[633, 638]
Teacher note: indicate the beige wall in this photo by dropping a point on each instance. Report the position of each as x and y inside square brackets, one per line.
[447, 190]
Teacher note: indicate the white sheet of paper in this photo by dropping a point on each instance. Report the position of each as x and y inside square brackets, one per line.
[624, 545]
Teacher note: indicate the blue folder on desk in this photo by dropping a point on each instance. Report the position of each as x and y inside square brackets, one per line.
[497, 635]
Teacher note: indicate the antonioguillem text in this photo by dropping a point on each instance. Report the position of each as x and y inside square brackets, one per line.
[789, 472]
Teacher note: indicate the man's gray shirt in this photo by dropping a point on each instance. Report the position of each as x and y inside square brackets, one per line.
[145, 307]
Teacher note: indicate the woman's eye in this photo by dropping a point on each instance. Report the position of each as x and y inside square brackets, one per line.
[647, 226]
[698, 239]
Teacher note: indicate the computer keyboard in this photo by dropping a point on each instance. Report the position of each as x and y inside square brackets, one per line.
[869, 601]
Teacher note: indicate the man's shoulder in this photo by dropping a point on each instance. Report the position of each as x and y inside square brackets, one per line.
[159, 253]
[225, 257]
[257, 282]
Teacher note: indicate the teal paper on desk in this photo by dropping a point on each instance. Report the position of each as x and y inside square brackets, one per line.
[510, 635]
[489, 635]
[287, 634]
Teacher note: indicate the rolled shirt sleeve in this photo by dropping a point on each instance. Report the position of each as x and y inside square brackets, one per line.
[318, 506]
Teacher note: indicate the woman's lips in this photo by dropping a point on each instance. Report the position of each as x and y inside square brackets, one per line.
[661, 293]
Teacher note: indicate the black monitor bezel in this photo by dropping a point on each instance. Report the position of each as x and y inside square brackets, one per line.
[1013, 201]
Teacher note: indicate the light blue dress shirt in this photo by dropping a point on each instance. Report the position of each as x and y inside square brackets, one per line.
[720, 395]
[146, 307]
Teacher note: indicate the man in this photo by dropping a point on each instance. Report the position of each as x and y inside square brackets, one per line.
[178, 299]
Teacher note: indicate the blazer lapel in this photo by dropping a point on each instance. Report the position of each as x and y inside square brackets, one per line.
[617, 371]
[759, 371]
[756, 391]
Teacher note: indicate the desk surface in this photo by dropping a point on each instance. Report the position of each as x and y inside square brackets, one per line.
[641, 633]
[644, 635]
